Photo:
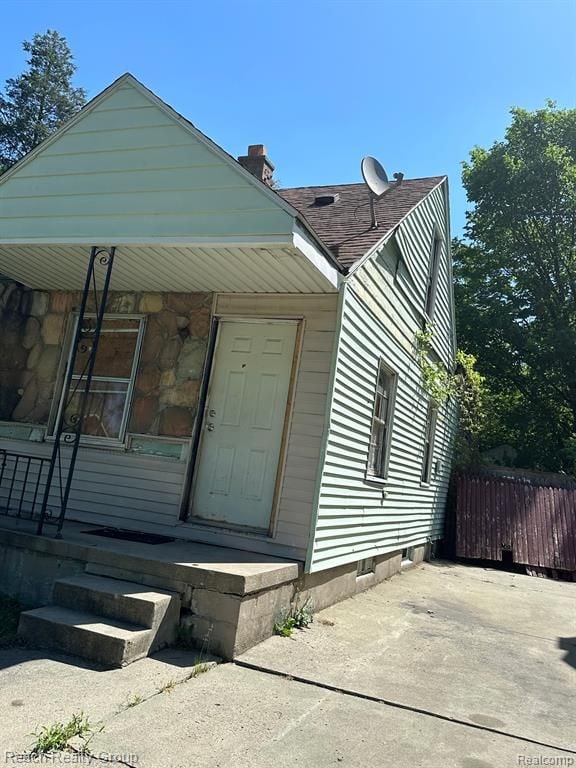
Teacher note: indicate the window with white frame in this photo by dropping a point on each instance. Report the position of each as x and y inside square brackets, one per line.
[379, 448]
[429, 435]
[431, 288]
[108, 399]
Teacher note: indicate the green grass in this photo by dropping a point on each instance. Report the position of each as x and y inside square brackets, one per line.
[9, 613]
[57, 737]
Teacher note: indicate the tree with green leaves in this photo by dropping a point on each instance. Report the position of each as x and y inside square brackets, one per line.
[515, 283]
[37, 102]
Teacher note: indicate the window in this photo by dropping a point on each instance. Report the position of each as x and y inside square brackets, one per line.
[379, 448]
[365, 566]
[115, 367]
[429, 434]
[408, 554]
[433, 275]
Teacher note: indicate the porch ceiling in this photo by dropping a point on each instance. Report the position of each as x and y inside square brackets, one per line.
[167, 267]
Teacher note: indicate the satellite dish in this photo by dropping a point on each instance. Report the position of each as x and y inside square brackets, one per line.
[376, 180]
[375, 176]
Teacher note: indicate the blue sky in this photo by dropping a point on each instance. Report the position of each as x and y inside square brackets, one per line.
[324, 82]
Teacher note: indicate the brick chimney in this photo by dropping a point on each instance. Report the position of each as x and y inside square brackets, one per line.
[257, 163]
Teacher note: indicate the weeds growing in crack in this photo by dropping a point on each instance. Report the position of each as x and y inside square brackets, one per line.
[167, 687]
[199, 669]
[57, 737]
[131, 701]
[298, 617]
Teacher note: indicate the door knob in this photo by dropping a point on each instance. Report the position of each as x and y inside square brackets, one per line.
[211, 413]
[210, 427]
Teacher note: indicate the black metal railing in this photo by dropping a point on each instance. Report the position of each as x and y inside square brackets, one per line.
[38, 488]
[22, 484]
[68, 427]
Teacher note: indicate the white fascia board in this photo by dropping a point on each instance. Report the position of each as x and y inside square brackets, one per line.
[264, 241]
[450, 269]
[304, 243]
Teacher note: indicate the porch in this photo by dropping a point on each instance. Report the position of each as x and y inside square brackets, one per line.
[139, 469]
[228, 599]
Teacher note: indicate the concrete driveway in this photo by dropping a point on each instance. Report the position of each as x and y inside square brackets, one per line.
[445, 666]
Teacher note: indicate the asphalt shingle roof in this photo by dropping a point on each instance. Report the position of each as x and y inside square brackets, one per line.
[346, 225]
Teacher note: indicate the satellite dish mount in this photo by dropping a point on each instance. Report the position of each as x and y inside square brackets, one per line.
[376, 180]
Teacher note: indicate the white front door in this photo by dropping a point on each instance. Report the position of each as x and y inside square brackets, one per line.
[243, 422]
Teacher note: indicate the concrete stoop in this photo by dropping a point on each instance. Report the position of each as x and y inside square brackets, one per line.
[121, 600]
[109, 621]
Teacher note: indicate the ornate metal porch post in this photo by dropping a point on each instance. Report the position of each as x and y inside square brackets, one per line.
[86, 338]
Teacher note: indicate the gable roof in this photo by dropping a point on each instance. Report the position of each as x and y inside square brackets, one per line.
[345, 226]
[342, 231]
[113, 92]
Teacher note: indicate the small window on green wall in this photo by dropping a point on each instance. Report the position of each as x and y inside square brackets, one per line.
[379, 448]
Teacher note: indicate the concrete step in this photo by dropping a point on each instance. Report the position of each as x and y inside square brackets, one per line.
[109, 642]
[124, 600]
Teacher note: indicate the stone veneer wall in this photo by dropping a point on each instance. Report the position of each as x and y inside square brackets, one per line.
[15, 302]
[33, 331]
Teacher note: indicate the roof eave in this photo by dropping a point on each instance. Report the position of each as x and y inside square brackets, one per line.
[191, 128]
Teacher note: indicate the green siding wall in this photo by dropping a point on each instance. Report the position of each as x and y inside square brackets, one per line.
[129, 169]
[382, 311]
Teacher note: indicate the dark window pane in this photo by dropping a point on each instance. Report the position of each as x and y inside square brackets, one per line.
[378, 407]
[107, 400]
[116, 349]
[377, 454]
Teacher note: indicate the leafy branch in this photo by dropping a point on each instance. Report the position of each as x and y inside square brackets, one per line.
[437, 381]
[464, 384]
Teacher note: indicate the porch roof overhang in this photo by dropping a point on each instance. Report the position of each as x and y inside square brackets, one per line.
[274, 264]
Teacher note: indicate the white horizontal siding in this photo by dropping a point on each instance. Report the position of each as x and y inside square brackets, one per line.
[167, 268]
[357, 518]
[111, 485]
[303, 451]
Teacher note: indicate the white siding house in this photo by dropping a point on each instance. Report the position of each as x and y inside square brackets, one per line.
[275, 401]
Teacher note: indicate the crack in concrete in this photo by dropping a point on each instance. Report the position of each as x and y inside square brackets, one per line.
[195, 672]
[398, 705]
[110, 760]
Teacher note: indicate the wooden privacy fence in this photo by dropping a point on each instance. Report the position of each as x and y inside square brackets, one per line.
[529, 515]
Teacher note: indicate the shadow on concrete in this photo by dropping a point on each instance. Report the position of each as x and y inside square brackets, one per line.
[441, 562]
[568, 644]
[175, 657]
[14, 655]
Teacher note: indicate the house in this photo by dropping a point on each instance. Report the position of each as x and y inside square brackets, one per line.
[256, 393]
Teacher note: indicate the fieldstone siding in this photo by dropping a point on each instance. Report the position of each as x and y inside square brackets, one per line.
[16, 339]
[171, 362]
[33, 342]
